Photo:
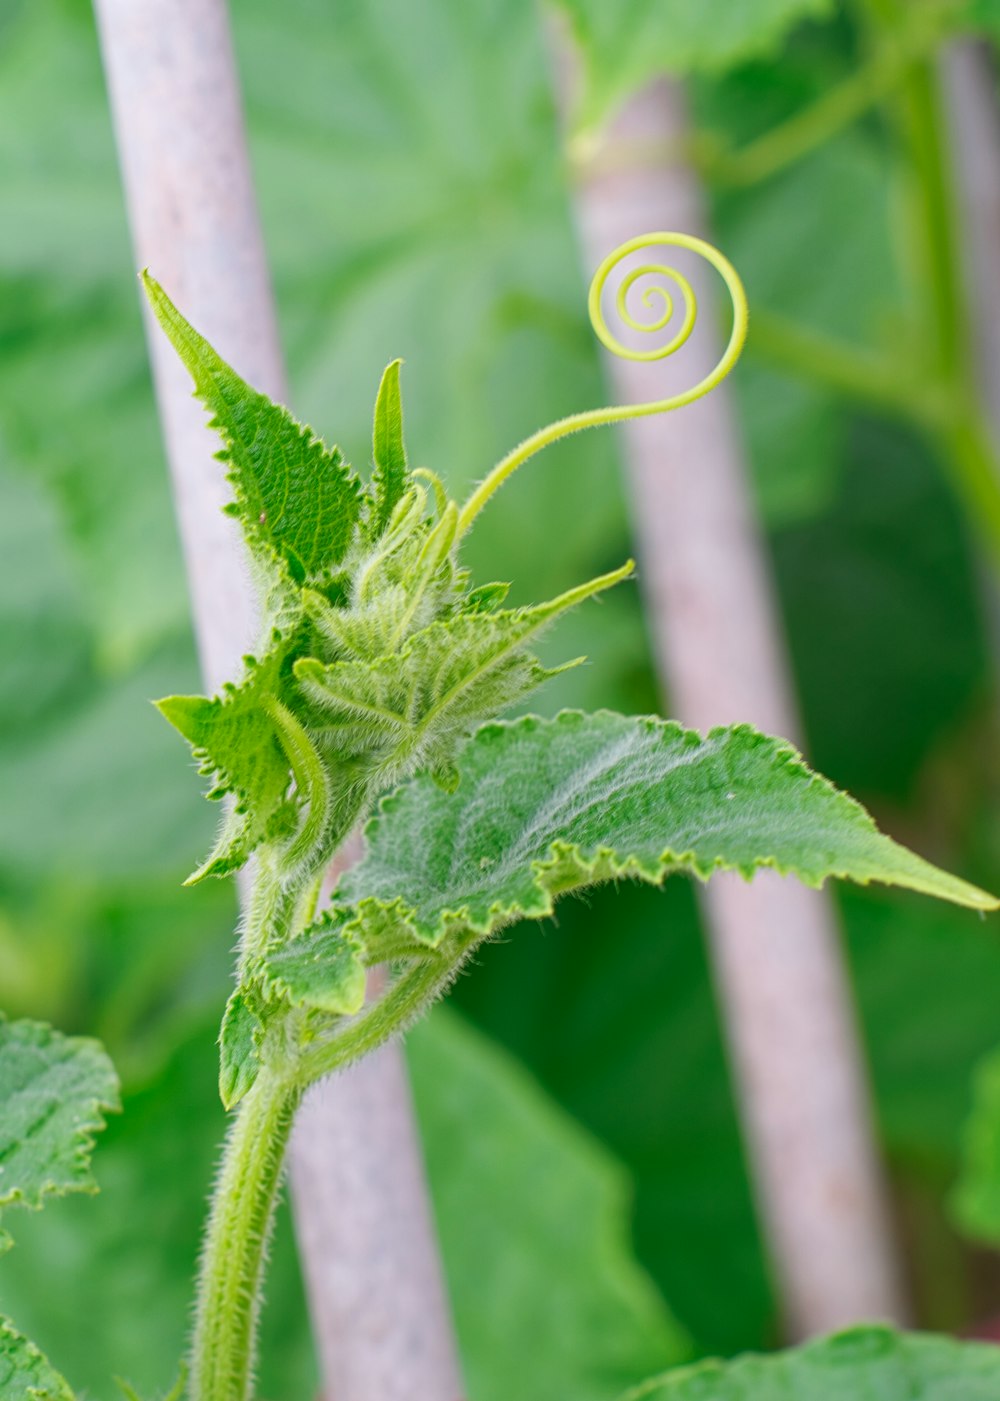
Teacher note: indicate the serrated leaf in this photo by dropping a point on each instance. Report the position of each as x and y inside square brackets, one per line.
[296, 499]
[388, 448]
[547, 806]
[54, 1093]
[235, 738]
[238, 1061]
[624, 46]
[320, 968]
[873, 1362]
[25, 1373]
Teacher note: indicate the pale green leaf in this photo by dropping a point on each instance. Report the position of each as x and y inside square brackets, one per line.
[873, 1363]
[54, 1093]
[626, 45]
[25, 1374]
[388, 449]
[295, 498]
[321, 968]
[547, 806]
[534, 1220]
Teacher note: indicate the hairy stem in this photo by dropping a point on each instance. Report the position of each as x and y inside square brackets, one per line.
[223, 1351]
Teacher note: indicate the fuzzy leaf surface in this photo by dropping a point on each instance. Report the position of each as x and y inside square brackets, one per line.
[238, 1061]
[445, 679]
[25, 1373]
[54, 1093]
[872, 1362]
[296, 498]
[547, 806]
[388, 449]
[321, 968]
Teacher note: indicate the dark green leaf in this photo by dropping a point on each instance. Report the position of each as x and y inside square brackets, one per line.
[294, 497]
[533, 1214]
[870, 1362]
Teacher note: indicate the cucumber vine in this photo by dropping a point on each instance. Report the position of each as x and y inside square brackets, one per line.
[373, 695]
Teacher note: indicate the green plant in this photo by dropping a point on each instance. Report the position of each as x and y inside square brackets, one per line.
[381, 671]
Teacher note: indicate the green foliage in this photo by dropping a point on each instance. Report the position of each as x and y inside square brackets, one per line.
[55, 1091]
[546, 807]
[388, 450]
[873, 1362]
[25, 1375]
[533, 1216]
[625, 46]
[975, 1201]
[298, 502]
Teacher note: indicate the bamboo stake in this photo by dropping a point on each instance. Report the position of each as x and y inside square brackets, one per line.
[376, 1293]
[717, 642]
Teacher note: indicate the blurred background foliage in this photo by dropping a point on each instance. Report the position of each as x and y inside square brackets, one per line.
[415, 198]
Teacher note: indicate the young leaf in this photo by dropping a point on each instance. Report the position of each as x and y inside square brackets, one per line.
[234, 737]
[446, 679]
[296, 499]
[54, 1093]
[25, 1374]
[238, 1061]
[388, 450]
[321, 968]
[547, 806]
[873, 1362]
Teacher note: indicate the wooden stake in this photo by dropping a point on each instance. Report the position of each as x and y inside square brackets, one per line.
[376, 1293]
[718, 648]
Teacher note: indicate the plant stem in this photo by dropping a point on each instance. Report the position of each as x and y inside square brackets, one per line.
[223, 1351]
[838, 108]
[410, 995]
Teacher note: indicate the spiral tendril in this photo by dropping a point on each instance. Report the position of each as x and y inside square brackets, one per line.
[652, 297]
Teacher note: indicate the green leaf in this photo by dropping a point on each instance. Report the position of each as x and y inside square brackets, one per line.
[320, 968]
[234, 737]
[54, 1093]
[295, 498]
[25, 1374]
[871, 1362]
[238, 1061]
[518, 1183]
[547, 806]
[626, 45]
[975, 1201]
[388, 450]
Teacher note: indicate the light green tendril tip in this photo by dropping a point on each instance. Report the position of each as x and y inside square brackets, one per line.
[651, 296]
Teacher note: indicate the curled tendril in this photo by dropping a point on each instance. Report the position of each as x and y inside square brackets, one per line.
[653, 297]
